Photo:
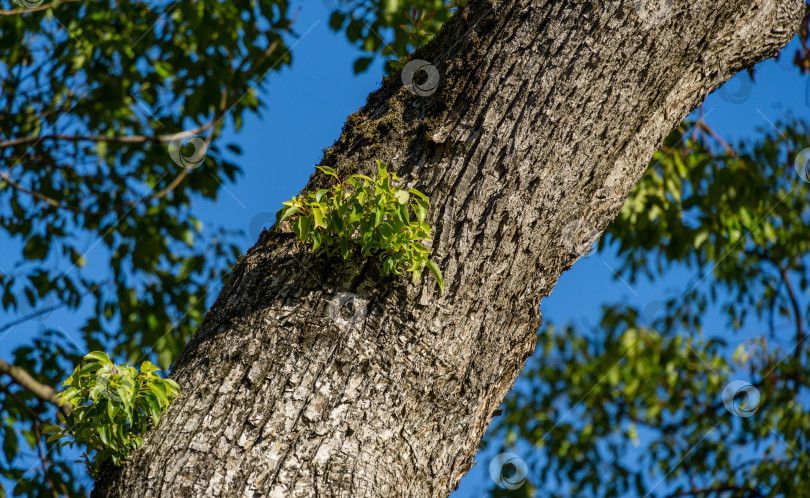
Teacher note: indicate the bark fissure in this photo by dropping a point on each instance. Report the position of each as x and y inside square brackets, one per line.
[547, 115]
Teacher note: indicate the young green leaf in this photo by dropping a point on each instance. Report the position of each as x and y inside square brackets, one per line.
[419, 209]
[285, 213]
[402, 196]
[327, 170]
[436, 273]
[99, 356]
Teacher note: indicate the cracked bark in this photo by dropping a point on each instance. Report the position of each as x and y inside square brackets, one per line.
[546, 115]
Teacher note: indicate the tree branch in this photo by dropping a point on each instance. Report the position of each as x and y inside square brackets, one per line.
[122, 139]
[44, 198]
[23, 379]
[35, 422]
[58, 205]
[750, 492]
[26, 10]
[708, 129]
[797, 314]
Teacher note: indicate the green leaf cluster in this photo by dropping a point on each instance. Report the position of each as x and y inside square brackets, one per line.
[111, 405]
[369, 217]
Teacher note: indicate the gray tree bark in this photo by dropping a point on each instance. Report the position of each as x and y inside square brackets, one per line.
[546, 114]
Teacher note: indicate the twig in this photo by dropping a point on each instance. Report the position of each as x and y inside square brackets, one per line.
[705, 127]
[38, 389]
[25, 10]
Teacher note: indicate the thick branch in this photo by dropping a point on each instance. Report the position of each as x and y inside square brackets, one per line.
[546, 115]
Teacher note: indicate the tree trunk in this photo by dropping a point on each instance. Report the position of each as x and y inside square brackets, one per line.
[546, 114]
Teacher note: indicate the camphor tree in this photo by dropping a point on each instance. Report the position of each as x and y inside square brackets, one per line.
[546, 115]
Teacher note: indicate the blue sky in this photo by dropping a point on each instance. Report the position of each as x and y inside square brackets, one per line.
[307, 105]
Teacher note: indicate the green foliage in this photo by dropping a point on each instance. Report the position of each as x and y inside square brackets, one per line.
[369, 217]
[90, 97]
[411, 24]
[419, 30]
[738, 216]
[111, 405]
[24, 416]
[635, 404]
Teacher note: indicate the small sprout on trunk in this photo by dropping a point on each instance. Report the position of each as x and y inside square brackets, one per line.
[371, 217]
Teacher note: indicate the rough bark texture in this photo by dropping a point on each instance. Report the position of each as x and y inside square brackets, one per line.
[546, 115]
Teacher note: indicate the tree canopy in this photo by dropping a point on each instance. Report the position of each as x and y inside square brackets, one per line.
[650, 401]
